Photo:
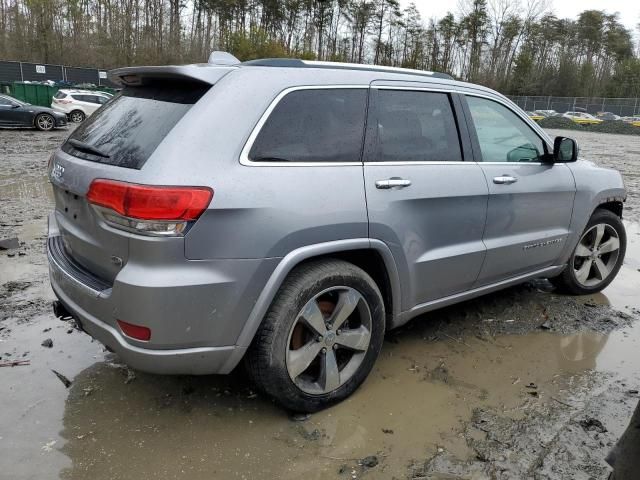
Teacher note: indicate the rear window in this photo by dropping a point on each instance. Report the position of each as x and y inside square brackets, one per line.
[316, 125]
[128, 129]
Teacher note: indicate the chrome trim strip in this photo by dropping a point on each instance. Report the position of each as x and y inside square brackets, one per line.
[475, 292]
[244, 155]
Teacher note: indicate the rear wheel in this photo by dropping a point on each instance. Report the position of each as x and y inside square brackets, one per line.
[45, 122]
[77, 116]
[320, 337]
[598, 256]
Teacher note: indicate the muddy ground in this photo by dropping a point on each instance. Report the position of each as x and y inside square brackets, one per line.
[524, 383]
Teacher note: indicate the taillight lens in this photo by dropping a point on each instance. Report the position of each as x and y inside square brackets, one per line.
[148, 209]
[135, 331]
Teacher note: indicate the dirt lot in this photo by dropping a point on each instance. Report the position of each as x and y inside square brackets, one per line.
[523, 383]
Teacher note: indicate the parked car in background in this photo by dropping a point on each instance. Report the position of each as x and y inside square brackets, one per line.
[607, 116]
[346, 173]
[535, 117]
[635, 121]
[546, 113]
[14, 113]
[582, 118]
[79, 104]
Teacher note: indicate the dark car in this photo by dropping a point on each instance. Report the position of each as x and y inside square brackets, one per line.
[14, 113]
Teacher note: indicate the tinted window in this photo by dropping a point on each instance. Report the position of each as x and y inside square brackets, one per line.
[5, 101]
[416, 126]
[313, 126]
[60, 95]
[130, 127]
[503, 135]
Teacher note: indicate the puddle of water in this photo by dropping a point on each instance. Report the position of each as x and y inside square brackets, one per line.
[214, 427]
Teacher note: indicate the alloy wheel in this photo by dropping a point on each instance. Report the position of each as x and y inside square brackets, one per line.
[596, 255]
[328, 340]
[45, 122]
[77, 117]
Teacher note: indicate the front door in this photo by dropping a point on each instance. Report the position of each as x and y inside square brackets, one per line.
[424, 200]
[530, 199]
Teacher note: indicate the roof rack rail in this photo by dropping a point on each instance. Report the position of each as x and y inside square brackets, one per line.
[297, 63]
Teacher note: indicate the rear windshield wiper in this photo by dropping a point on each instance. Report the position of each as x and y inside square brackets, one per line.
[85, 147]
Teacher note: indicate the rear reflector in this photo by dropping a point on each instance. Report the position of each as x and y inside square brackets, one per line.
[135, 331]
[148, 202]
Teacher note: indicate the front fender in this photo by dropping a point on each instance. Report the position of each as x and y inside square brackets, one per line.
[594, 186]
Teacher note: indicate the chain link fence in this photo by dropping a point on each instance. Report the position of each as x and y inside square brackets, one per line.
[625, 107]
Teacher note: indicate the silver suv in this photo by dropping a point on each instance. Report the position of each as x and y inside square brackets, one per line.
[291, 212]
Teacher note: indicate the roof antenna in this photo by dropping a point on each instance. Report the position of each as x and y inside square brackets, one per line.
[222, 58]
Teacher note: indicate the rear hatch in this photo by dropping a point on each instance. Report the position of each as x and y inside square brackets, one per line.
[115, 143]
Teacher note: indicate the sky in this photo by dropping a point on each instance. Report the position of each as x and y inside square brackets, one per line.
[629, 9]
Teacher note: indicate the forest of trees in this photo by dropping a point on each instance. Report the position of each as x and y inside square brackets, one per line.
[515, 46]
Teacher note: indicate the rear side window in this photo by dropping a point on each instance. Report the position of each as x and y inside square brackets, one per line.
[127, 130]
[323, 125]
[416, 126]
[60, 95]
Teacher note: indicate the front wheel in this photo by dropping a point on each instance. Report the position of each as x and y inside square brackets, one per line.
[597, 258]
[320, 338]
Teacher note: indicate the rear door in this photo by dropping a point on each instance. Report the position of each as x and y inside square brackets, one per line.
[530, 199]
[424, 199]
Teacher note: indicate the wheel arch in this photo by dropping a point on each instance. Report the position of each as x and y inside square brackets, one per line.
[614, 205]
[373, 256]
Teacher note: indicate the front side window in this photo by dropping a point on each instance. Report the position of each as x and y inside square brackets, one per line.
[5, 102]
[317, 125]
[503, 135]
[416, 126]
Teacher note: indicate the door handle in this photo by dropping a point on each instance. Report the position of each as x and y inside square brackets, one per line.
[505, 180]
[392, 183]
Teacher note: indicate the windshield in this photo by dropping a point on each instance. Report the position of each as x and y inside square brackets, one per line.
[127, 130]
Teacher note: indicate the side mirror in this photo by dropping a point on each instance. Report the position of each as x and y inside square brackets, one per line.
[15, 105]
[565, 150]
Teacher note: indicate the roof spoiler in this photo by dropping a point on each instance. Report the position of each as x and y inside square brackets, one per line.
[138, 76]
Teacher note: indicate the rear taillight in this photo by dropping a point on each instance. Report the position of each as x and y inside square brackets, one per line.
[148, 209]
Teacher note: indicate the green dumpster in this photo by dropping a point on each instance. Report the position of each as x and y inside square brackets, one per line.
[33, 93]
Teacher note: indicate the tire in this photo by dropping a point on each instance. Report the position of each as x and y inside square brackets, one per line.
[77, 116]
[595, 256]
[44, 122]
[286, 340]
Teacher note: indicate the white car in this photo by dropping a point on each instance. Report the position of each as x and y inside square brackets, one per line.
[79, 104]
[582, 118]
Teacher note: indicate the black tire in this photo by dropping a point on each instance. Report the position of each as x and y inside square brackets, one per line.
[44, 122]
[77, 116]
[567, 281]
[266, 359]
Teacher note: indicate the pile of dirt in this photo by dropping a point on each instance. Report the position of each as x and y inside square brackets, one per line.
[559, 123]
[617, 127]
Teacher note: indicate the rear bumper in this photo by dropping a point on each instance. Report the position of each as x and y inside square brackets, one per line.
[195, 312]
[184, 361]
